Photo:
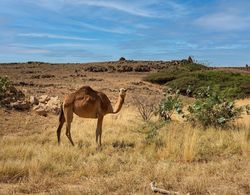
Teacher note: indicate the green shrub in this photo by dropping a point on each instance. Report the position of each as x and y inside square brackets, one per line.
[5, 83]
[168, 105]
[160, 77]
[211, 110]
[233, 85]
[152, 131]
[195, 67]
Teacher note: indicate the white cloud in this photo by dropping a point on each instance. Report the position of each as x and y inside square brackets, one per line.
[130, 8]
[226, 15]
[118, 30]
[170, 8]
[18, 49]
[53, 36]
[224, 21]
[32, 51]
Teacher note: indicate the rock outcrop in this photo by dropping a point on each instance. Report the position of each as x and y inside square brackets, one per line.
[47, 105]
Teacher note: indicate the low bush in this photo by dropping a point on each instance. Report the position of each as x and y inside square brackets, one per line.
[169, 104]
[5, 84]
[192, 78]
[210, 109]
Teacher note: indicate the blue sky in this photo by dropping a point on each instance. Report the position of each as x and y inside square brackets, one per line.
[214, 32]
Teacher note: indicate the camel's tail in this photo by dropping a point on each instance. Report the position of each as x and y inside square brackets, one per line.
[61, 122]
[61, 116]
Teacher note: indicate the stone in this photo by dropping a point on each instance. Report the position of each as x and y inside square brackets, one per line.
[96, 69]
[20, 105]
[40, 109]
[122, 59]
[125, 68]
[190, 60]
[53, 105]
[142, 68]
[42, 112]
[33, 100]
[44, 98]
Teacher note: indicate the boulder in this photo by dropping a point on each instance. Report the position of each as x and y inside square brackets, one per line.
[96, 69]
[20, 105]
[125, 68]
[142, 68]
[122, 59]
[44, 98]
[190, 60]
[53, 105]
[40, 109]
[34, 100]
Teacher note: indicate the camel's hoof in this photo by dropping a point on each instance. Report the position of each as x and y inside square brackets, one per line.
[99, 148]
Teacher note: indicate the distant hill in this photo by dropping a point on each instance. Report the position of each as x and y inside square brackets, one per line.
[192, 78]
[178, 74]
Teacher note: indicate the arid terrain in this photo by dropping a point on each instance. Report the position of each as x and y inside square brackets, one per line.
[182, 158]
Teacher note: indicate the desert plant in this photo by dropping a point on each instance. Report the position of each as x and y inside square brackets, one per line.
[145, 107]
[153, 131]
[211, 110]
[168, 105]
[150, 130]
[5, 83]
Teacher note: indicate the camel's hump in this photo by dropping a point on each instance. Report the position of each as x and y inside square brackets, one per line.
[86, 89]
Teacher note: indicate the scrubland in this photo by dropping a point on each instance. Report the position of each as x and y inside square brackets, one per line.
[180, 158]
[176, 155]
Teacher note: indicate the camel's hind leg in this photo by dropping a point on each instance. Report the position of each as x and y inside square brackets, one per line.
[59, 131]
[61, 122]
[68, 113]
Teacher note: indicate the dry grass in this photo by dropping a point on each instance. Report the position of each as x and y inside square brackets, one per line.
[179, 158]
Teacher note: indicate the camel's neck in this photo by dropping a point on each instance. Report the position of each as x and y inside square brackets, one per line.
[118, 105]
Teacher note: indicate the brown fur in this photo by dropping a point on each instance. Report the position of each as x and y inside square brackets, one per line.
[87, 103]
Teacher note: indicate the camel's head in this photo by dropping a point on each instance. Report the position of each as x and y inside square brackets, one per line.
[122, 92]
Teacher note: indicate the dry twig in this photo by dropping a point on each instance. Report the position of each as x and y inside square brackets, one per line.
[145, 107]
[162, 191]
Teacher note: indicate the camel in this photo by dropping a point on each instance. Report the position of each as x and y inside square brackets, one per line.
[87, 103]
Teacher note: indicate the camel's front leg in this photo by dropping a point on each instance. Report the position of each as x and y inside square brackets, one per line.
[99, 131]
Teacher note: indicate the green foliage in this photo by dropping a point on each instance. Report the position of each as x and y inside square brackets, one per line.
[195, 67]
[230, 84]
[152, 131]
[160, 77]
[173, 73]
[169, 104]
[212, 110]
[5, 84]
[193, 77]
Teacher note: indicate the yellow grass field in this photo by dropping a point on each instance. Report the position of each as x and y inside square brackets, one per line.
[180, 158]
